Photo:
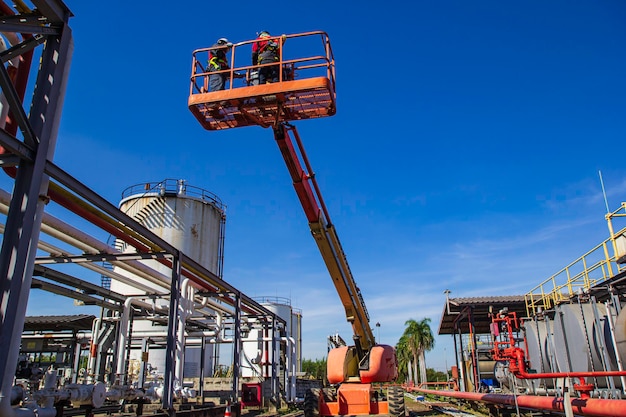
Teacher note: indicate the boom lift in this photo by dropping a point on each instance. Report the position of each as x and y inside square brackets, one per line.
[353, 368]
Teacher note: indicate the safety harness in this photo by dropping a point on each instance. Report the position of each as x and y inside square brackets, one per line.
[267, 47]
[218, 62]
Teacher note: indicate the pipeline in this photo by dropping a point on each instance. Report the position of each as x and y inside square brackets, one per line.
[580, 406]
[517, 365]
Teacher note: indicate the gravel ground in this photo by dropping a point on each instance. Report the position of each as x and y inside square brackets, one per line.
[420, 408]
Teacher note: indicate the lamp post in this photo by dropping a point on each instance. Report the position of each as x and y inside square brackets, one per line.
[378, 332]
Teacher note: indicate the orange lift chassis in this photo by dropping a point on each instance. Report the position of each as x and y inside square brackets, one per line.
[305, 90]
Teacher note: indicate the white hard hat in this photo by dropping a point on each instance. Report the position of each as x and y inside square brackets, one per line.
[223, 41]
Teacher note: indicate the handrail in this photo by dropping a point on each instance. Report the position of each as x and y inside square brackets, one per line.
[170, 186]
[298, 53]
[595, 266]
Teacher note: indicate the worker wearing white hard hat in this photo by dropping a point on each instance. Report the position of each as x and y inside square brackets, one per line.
[219, 62]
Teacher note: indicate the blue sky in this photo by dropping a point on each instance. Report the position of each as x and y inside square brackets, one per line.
[464, 154]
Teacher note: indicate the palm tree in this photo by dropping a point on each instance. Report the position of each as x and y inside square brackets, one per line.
[403, 354]
[419, 340]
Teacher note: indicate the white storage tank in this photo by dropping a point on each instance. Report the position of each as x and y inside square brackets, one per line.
[189, 218]
[257, 344]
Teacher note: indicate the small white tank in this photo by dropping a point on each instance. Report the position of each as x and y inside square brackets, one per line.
[257, 345]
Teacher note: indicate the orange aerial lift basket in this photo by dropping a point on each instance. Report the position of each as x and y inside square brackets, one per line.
[305, 88]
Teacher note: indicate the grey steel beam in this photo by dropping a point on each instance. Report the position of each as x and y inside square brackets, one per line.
[19, 245]
[12, 24]
[16, 147]
[9, 160]
[88, 287]
[172, 329]
[76, 295]
[22, 47]
[54, 10]
[101, 257]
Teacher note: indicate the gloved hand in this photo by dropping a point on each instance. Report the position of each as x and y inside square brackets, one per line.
[239, 75]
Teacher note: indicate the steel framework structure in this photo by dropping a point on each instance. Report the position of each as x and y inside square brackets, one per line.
[28, 142]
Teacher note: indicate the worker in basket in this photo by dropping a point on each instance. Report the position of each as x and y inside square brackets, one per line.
[267, 50]
[219, 62]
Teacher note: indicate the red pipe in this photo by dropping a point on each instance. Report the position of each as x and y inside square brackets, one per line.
[580, 406]
[517, 366]
[19, 77]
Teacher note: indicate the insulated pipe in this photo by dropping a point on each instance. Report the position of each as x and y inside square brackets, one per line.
[60, 230]
[126, 234]
[292, 362]
[32, 408]
[184, 311]
[204, 333]
[123, 330]
[219, 308]
[93, 350]
[99, 269]
[138, 269]
[584, 407]
[78, 207]
[96, 268]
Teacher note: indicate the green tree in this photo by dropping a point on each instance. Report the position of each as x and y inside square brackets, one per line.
[315, 368]
[436, 376]
[403, 353]
[419, 340]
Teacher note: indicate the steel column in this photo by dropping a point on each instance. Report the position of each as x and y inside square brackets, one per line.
[275, 360]
[237, 348]
[172, 324]
[19, 246]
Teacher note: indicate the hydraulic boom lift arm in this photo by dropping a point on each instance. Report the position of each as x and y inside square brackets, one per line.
[325, 236]
[352, 371]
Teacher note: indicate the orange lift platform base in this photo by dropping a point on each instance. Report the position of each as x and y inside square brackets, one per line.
[305, 90]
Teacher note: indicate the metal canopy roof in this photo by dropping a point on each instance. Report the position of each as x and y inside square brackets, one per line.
[460, 310]
[59, 323]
